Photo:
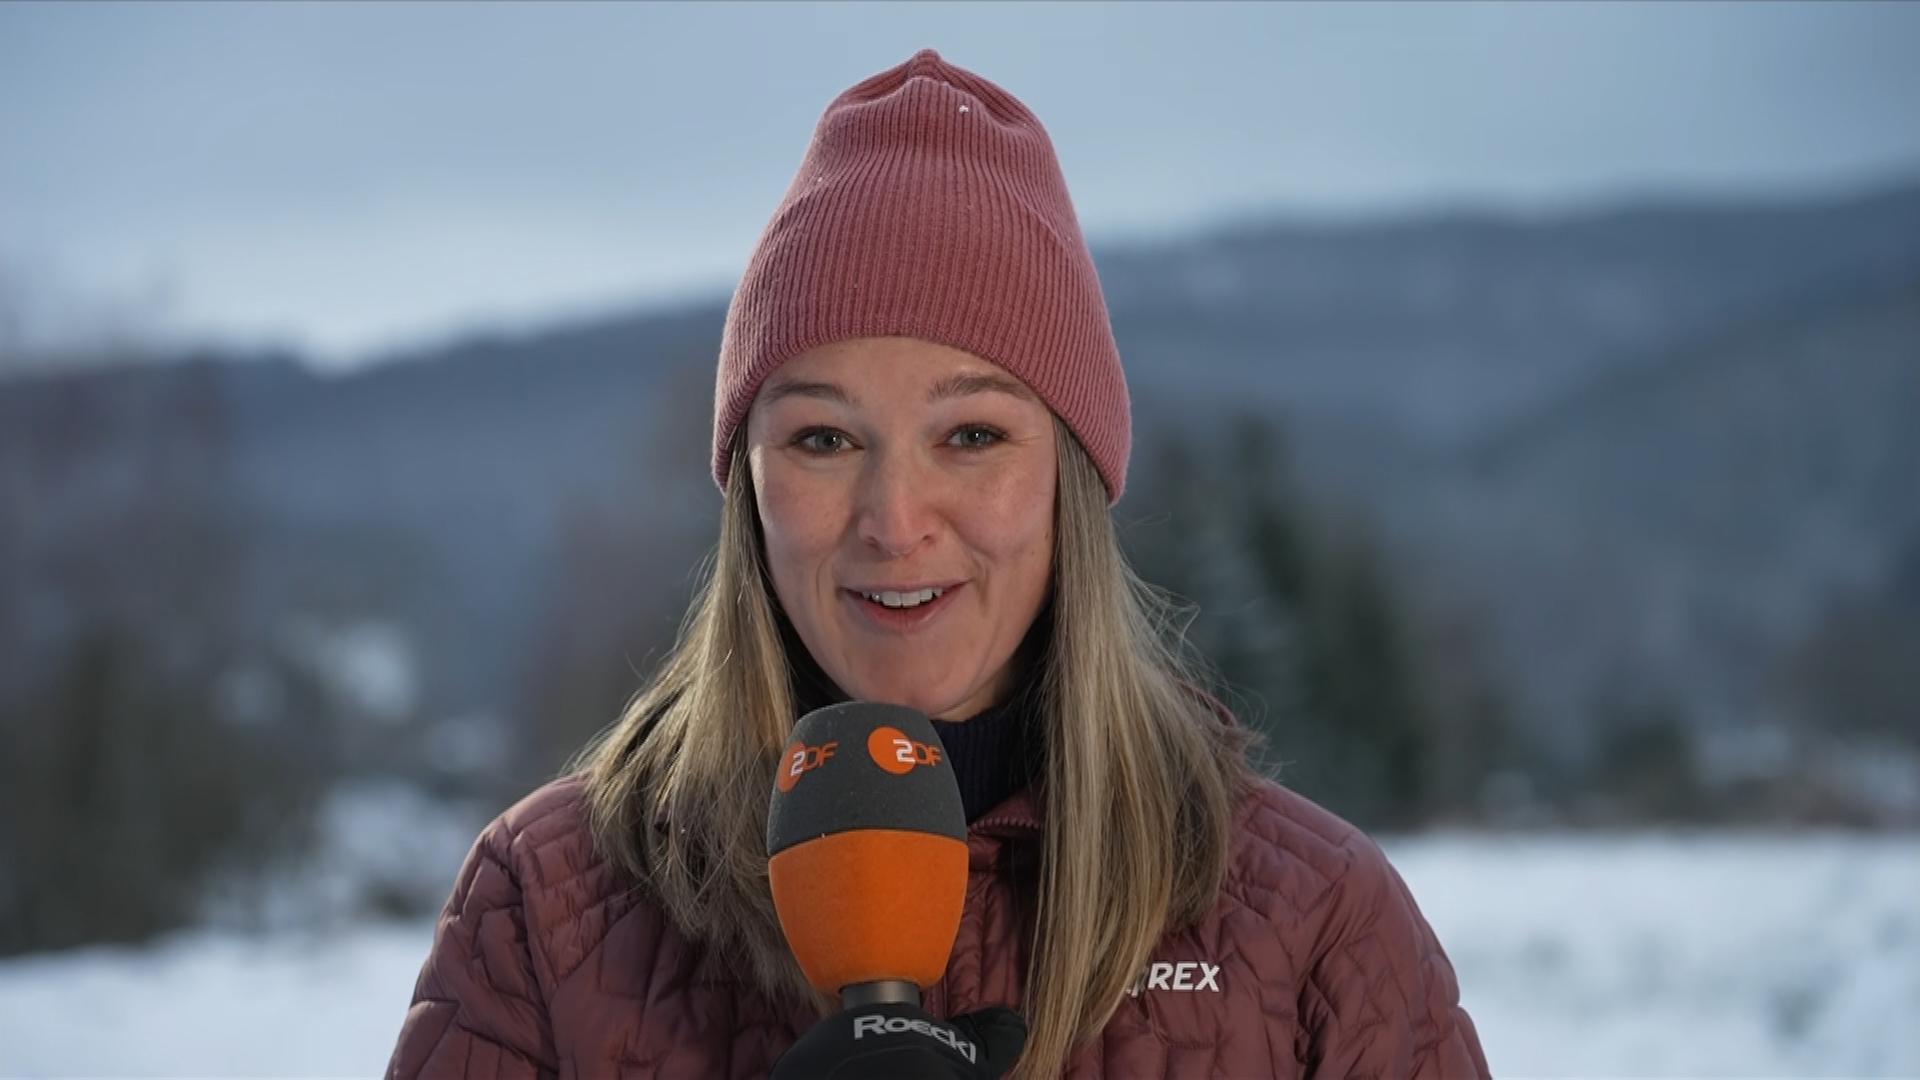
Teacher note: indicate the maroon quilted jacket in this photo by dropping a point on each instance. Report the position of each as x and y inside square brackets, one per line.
[1314, 962]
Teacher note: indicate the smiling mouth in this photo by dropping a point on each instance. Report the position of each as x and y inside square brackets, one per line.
[904, 609]
[903, 601]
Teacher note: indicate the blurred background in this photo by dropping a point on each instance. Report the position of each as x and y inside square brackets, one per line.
[1525, 395]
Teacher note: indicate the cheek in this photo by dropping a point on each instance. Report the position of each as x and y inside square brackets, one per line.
[1015, 528]
[801, 526]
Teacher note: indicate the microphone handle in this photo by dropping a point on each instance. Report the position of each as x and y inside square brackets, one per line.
[880, 992]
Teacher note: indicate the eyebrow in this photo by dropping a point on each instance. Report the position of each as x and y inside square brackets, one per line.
[786, 388]
[952, 386]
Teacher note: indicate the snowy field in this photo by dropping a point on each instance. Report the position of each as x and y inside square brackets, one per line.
[1645, 955]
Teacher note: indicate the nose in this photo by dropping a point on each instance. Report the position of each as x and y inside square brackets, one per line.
[895, 512]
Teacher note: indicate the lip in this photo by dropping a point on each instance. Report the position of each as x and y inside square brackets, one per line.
[896, 620]
[906, 588]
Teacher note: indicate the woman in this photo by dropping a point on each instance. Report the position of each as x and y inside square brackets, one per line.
[920, 426]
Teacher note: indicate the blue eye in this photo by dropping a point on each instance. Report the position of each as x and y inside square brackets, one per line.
[822, 441]
[977, 437]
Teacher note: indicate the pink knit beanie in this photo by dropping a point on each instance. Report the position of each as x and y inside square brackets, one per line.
[930, 205]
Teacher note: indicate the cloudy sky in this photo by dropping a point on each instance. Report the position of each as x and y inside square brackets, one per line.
[350, 179]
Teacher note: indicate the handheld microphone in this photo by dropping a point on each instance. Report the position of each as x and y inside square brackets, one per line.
[867, 852]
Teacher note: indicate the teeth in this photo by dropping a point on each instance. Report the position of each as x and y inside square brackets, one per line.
[903, 600]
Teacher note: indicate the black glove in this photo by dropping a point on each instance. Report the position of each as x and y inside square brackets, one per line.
[900, 1042]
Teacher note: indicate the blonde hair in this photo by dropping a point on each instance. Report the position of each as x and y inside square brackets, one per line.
[1140, 779]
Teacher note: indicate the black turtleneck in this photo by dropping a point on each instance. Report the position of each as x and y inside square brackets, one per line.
[989, 753]
[994, 753]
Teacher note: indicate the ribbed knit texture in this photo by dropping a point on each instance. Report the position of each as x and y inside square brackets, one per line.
[930, 205]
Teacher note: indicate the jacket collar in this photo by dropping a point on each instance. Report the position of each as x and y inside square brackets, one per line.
[1018, 815]
[1008, 831]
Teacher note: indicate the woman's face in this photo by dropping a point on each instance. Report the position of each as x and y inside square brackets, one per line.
[884, 467]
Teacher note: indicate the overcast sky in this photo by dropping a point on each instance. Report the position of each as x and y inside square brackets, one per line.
[351, 178]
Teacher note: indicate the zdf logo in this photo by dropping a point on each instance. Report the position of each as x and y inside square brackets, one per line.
[801, 758]
[893, 751]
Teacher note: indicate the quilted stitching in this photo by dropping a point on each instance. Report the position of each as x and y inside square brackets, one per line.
[546, 965]
[476, 1008]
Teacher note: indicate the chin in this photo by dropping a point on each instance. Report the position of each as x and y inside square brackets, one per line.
[916, 698]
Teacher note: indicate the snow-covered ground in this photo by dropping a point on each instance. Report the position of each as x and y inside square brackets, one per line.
[1681, 955]
[1641, 955]
[213, 1004]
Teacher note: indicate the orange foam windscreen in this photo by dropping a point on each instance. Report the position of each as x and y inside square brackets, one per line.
[870, 904]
